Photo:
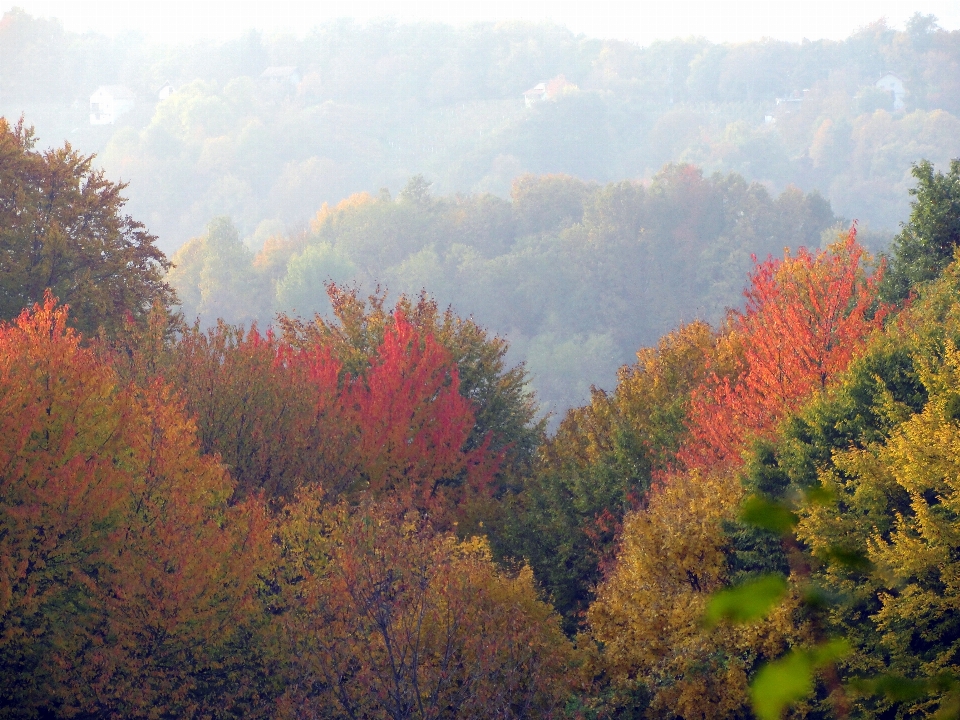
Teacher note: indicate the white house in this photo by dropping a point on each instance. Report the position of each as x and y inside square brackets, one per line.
[547, 90]
[535, 94]
[282, 74]
[165, 92]
[109, 102]
[893, 85]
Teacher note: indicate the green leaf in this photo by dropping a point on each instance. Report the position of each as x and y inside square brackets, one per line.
[768, 515]
[894, 687]
[830, 652]
[818, 495]
[780, 684]
[901, 689]
[949, 708]
[746, 602]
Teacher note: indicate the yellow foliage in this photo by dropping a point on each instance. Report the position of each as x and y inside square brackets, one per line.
[648, 613]
[898, 503]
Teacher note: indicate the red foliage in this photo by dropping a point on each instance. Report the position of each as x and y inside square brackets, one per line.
[411, 422]
[805, 319]
[282, 414]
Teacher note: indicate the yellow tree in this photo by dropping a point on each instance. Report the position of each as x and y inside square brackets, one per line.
[895, 506]
[388, 619]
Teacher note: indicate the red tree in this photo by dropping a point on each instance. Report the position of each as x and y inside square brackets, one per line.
[805, 318]
[412, 423]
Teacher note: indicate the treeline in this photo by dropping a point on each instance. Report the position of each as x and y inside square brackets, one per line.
[576, 275]
[373, 105]
[360, 516]
[237, 524]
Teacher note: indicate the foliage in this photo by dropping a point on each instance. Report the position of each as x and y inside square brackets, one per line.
[213, 275]
[600, 464]
[576, 274]
[883, 531]
[856, 467]
[925, 244]
[397, 621]
[505, 409]
[281, 415]
[127, 586]
[377, 102]
[806, 318]
[62, 229]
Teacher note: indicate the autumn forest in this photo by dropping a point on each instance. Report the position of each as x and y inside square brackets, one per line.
[265, 483]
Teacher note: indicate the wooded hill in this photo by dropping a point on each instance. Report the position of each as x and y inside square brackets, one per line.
[576, 275]
[361, 516]
[372, 105]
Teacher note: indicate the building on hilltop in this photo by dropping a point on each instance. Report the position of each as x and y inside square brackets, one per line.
[282, 74]
[109, 102]
[549, 90]
[165, 92]
[893, 85]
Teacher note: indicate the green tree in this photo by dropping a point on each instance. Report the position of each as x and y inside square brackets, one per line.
[924, 247]
[62, 227]
[214, 276]
[303, 289]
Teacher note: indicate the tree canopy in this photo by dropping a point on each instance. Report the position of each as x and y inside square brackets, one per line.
[62, 228]
[926, 243]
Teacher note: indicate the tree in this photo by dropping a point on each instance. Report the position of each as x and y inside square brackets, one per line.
[600, 464]
[648, 613]
[62, 228]
[272, 414]
[385, 417]
[127, 586]
[392, 620]
[213, 275]
[505, 410]
[805, 319]
[303, 288]
[412, 426]
[878, 454]
[926, 243]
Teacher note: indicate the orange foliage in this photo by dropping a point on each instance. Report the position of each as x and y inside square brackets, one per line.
[806, 317]
[124, 577]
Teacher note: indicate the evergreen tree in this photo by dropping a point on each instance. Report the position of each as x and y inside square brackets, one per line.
[926, 243]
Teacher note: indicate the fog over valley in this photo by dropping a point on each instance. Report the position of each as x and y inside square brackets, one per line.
[386, 360]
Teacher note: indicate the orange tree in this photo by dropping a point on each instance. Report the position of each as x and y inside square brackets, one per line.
[127, 586]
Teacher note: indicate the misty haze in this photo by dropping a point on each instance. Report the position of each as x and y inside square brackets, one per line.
[394, 369]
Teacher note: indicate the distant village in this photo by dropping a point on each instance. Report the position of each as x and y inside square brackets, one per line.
[110, 102]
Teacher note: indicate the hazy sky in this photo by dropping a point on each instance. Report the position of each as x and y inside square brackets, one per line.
[640, 21]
